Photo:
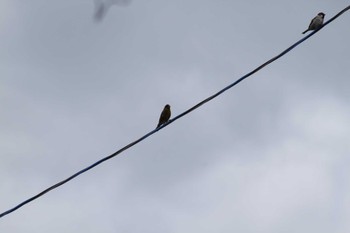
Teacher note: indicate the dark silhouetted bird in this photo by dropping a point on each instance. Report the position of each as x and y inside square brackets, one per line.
[316, 22]
[165, 115]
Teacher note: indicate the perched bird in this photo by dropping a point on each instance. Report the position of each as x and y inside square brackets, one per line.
[165, 115]
[316, 22]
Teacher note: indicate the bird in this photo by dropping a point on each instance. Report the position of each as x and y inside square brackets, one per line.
[316, 22]
[102, 6]
[165, 115]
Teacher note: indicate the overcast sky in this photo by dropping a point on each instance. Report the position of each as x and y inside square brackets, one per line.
[270, 155]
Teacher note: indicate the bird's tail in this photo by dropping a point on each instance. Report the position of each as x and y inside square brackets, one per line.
[305, 31]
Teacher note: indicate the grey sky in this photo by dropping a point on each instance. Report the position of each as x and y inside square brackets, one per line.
[270, 155]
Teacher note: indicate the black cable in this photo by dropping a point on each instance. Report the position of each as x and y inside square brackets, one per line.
[171, 121]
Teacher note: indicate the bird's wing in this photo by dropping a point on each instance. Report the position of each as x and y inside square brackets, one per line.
[312, 22]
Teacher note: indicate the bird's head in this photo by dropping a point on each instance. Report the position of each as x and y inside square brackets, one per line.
[167, 106]
[321, 14]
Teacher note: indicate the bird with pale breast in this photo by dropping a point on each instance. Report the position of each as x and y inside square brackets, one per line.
[316, 22]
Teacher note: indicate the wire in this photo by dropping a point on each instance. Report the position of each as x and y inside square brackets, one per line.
[171, 121]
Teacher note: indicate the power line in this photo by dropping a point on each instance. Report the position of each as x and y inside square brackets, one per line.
[172, 120]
